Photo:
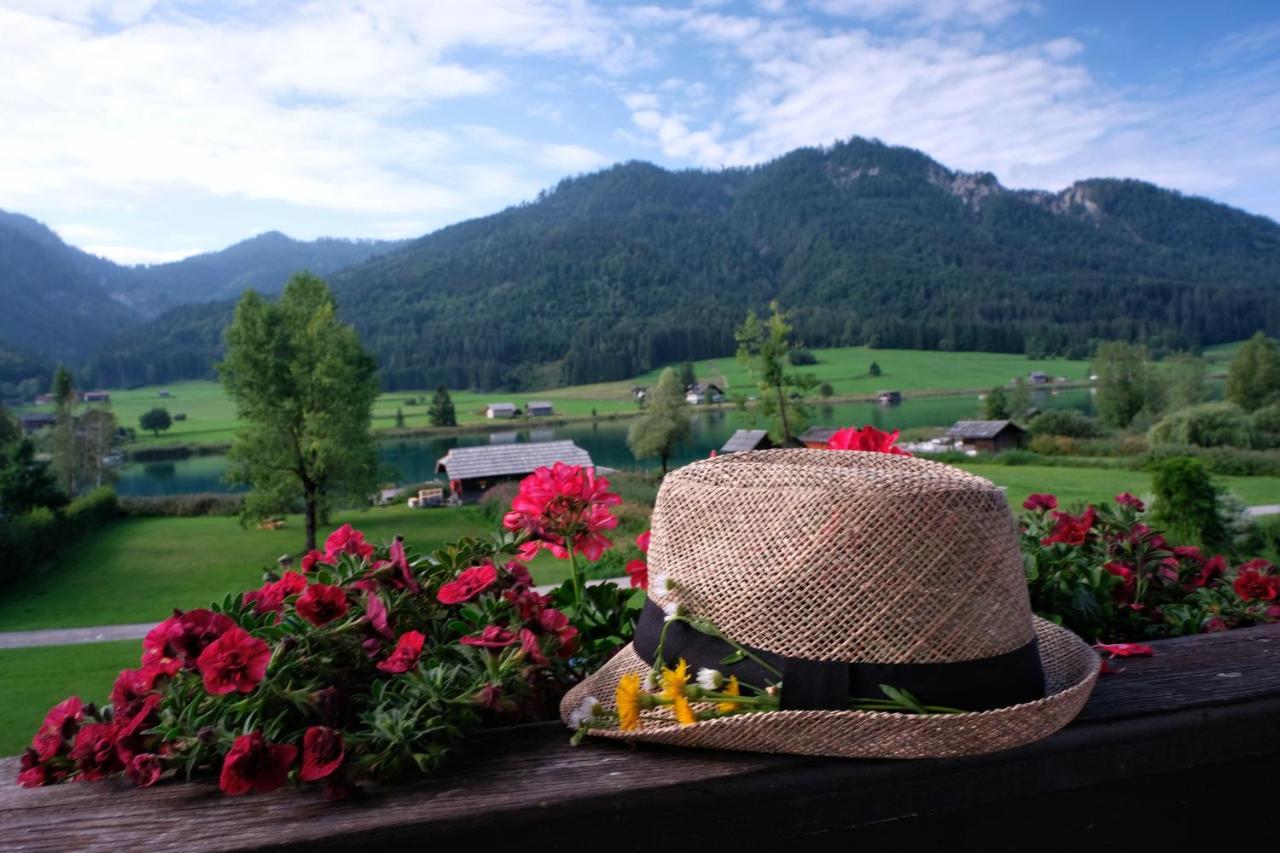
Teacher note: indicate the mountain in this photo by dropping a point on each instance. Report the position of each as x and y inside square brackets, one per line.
[612, 273]
[61, 302]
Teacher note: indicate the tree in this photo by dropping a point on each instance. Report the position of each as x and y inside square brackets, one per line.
[996, 406]
[1020, 400]
[1126, 384]
[1253, 379]
[1206, 425]
[9, 429]
[763, 346]
[97, 437]
[1185, 382]
[441, 411]
[25, 482]
[304, 390]
[1187, 503]
[399, 418]
[64, 436]
[155, 420]
[665, 423]
[874, 370]
[825, 390]
[687, 377]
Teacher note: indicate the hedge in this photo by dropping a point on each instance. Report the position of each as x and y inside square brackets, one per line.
[36, 537]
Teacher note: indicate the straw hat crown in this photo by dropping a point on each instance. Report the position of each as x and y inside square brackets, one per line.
[844, 556]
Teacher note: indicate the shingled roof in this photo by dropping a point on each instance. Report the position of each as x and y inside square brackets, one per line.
[980, 429]
[507, 460]
[818, 434]
[744, 439]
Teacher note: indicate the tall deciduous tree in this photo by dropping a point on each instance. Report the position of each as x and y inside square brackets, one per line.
[1253, 379]
[1185, 381]
[763, 346]
[155, 420]
[304, 390]
[666, 420]
[996, 406]
[1126, 383]
[441, 412]
[64, 430]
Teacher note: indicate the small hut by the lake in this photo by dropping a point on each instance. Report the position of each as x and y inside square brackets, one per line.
[987, 436]
[472, 470]
[747, 439]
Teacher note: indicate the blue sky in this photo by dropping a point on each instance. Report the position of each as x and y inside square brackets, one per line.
[146, 130]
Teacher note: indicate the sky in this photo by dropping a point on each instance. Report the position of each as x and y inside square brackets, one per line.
[149, 130]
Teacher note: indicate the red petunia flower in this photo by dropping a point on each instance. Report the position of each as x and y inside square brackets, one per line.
[867, 439]
[131, 723]
[322, 753]
[1125, 650]
[94, 752]
[519, 574]
[375, 613]
[183, 636]
[60, 726]
[145, 769]
[528, 602]
[236, 661]
[270, 597]
[531, 645]
[310, 559]
[346, 540]
[554, 622]
[492, 637]
[405, 655]
[1251, 585]
[1040, 502]
[563, 504]
[470, 583]
[252, 764]
[1128, 582]
[31, 773]
[1071, 529]
[321, 604]
[1127, 499]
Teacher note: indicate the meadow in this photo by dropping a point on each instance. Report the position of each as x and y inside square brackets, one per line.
[211, 420]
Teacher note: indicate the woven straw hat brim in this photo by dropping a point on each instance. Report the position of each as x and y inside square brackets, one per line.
[1070, 667]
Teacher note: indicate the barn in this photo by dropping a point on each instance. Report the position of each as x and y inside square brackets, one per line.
[987, 436]
[471, 470]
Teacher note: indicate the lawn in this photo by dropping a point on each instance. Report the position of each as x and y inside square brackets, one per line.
[34, 680]
[138, 570]
[1082, 485]
[210, 416]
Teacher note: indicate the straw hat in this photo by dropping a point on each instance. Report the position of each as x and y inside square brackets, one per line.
[850, 569]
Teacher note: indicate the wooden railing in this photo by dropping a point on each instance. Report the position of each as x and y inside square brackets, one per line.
[1163, 757]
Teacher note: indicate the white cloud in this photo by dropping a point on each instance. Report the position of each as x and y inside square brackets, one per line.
[133, 255]
[571, 158]
[969, 12]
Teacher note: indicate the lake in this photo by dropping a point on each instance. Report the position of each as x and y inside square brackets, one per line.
[413, 460]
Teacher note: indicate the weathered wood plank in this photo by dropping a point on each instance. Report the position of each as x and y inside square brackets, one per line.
[1200, 701]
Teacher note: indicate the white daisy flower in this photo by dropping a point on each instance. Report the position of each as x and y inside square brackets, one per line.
[673, 610]
[652, 681]
[710, 679]
[662, 584]
[587, 710]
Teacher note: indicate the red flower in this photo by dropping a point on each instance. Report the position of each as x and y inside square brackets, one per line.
[1040, 502]
[270, 597]
[1214, 625]
[519, 573]
[563, 503]
[346, 540]
[642, 542]
[867, 439]
[94, 752]
[1126, 499]
[145, 769]
[405, 655]
[31, 773]
[131, 723]
[1125, 650]
[183, 636]
[554, 622]
[638, 571]
[1071, 529]
[532, 646]
[470, 583]
[322, 753]
[1128, 581]
[375, 612]
[310, 559]
[528, 602]
[321, 604]
[236, 661]
[492, 637]
[252, 764]
[1252, 585]
[59, 726]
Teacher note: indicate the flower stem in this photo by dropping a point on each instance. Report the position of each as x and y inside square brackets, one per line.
[577, 578]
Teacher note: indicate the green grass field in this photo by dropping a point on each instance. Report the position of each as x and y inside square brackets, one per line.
[1083, 485]
[211, 418]
[33, 680]
[140, 569]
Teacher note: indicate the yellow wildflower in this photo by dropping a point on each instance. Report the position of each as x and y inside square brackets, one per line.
[733, 690]
[628, 699]
[674, 681]
[684, 712]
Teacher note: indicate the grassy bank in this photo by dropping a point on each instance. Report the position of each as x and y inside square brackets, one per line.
[138, 570]
[1098, 484]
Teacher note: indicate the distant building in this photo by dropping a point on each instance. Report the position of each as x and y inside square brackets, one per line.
[817, 437]
[180, 416]
[747, 439]
[987, 436]
[500, 410]
[164, 393]
[97, 396]
[36, 422]
[704, 392]
[539, 408]
[889, 398]
[44, 399]
[638, 392]
[1038, 377]
[471, 470]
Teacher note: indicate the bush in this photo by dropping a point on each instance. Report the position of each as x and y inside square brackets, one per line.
[184, 506]
[33, 538]
[1224, 461]
[1187, 502]
[1065, 422]
[1266, 424]
[1206, 425]
[1052, 445]
[801, 357]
